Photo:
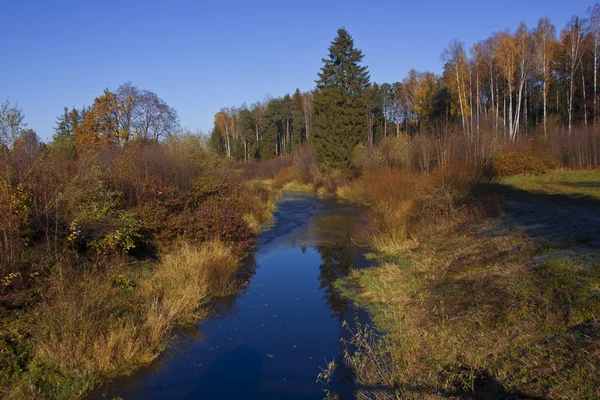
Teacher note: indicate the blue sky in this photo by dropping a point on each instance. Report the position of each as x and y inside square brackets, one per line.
[200, 56]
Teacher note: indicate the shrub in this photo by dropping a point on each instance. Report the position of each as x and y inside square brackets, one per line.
[391, 199]
[326, 180]
[305, 160]
[391, 152]
[510, 164]
[14, 220]
[265, 169]
[402, 203]
[287, 175]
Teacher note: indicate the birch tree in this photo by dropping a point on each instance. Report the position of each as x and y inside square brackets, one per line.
[572, 38]
[545, 39]
[456, 68]
[594, 28]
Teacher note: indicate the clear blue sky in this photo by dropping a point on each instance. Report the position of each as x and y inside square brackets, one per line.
[201, 56]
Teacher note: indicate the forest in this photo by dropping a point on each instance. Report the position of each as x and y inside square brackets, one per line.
[479, 189]
[534, 84]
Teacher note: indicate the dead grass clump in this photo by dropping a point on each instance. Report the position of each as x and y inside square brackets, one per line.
[106, 323]
[186, 278]
[390, 196]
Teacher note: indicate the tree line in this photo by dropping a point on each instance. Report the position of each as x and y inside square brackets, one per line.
[509, 87]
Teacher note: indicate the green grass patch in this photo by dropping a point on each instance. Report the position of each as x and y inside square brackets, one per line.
[571, 183]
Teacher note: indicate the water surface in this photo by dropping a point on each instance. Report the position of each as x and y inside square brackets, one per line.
[271, 339]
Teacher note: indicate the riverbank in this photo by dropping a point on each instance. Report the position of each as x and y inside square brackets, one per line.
[107, 260]
[490, 307]
[267, 340]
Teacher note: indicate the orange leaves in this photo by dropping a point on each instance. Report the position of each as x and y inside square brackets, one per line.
[100, 126]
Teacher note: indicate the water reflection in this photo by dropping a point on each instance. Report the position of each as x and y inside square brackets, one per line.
[270, 339]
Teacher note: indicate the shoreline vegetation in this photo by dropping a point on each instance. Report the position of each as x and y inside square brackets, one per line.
[481, 194]
[102, 261]
[485, 285]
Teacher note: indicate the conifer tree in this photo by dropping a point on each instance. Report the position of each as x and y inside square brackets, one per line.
[298, 120]
[340, 110]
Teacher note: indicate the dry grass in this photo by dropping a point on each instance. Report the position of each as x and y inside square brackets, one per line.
[103, 324]
[476, 314]
[404, 205]
[296, 186]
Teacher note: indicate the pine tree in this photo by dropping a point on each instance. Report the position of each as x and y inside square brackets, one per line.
[298, 129]
[340, 111]
[271, 131]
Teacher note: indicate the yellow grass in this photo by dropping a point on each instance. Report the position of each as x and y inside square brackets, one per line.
[99, 326]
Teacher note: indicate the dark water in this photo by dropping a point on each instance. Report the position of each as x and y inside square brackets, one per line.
[271, 340]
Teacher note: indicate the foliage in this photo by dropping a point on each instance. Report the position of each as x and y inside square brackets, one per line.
[391, 152]
[510, 164]
[402, 205]
[15, 207]
[340, 118]
[73, 227]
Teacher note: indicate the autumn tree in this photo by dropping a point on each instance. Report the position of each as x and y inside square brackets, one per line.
[223, 126]
[100, 126]
[456, 70]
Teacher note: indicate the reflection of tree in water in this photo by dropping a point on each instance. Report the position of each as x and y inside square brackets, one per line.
[337, 259]
[332, 236]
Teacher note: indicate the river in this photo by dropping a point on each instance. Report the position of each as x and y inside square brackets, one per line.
[272, 338]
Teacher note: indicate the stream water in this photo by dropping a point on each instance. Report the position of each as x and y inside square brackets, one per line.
[272, 338]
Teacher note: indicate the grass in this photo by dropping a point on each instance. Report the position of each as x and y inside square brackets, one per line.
[468, 307]
[295, 186]
[571, 183]
[102, 324]
[482, 310]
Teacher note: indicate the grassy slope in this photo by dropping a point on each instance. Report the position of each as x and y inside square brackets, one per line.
[495, 308]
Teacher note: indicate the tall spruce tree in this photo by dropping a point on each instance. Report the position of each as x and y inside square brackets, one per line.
[340, 111]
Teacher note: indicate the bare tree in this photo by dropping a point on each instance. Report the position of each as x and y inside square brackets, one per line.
[153, 118]
[11, 123]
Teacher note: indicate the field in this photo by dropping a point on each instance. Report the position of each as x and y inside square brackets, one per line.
[583, 183]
